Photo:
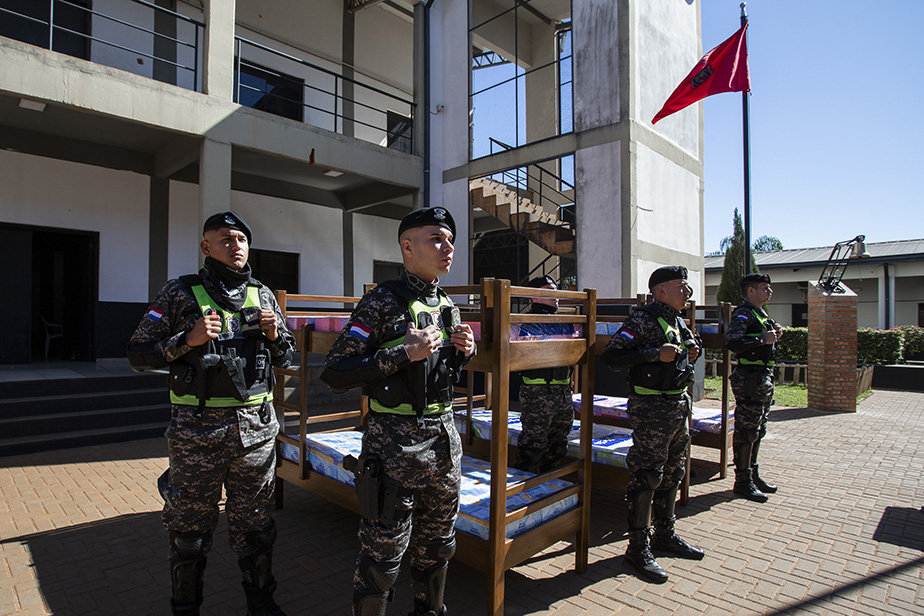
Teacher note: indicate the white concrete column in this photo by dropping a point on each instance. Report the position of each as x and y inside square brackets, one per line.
[218, 49]
[598, 169]
[214, 178]
[449, 139]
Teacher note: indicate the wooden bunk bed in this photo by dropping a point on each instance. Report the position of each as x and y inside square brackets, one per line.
[526, 513]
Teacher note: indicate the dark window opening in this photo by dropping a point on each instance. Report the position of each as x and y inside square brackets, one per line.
[800, 315]
[27, 21]
[399, 132]
[270, 91]
[383, 271]
[277, 270]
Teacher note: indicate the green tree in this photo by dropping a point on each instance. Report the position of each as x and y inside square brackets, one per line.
[767, 242]
[733, 246]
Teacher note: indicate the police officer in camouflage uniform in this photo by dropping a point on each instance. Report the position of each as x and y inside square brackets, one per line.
[752, 336]
[405, 343]
[660, 351]
[220, 333]
[546, 410]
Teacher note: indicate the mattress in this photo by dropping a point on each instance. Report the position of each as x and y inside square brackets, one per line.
[704, 419]
[326, 451]
[610, 443]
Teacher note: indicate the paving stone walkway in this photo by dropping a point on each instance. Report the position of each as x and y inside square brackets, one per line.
[80, 533]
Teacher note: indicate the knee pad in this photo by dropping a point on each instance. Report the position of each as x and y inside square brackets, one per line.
[678, 474]
[650, 478]
[262, 540]
[750, 435]
[379, 576]
[442, 550]
[189, 545]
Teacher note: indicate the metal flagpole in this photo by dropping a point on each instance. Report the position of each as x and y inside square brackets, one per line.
[745, 108]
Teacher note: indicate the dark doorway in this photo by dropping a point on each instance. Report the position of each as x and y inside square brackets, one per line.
[277, 270]
[54, 278]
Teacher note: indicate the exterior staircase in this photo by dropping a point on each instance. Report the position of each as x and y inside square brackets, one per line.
[540, 227]
[41, 415]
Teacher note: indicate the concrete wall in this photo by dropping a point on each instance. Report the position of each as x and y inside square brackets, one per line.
[63, 195]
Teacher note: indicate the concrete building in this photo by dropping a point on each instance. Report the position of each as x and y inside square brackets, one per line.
[124, 124]
[889, 283]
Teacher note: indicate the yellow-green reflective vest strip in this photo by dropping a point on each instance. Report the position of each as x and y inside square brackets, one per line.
[435, 408]
[219, 402]
[644, 391]
[763, 325]
[545, 382]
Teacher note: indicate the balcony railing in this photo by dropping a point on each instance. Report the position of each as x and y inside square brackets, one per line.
[165, 49]
[280, 83]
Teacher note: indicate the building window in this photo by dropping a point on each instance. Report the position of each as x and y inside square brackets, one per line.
[383, 271]
[399, 132]
[277, 270]
[800, 315]
[270, 91]
[27, 21]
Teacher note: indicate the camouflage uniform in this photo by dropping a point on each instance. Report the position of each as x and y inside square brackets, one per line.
[546, 410]
[422, 457]
[230, 446]
[752, 384]
[660, 435]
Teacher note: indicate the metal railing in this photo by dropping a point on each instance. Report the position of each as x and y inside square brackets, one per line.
[328, 99]
[109, 28]
[537, 176]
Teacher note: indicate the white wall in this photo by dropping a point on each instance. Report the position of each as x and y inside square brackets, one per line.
[374, 239]
[64, 195]
[668, 204]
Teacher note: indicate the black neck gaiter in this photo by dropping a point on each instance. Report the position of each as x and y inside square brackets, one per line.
[226, 286]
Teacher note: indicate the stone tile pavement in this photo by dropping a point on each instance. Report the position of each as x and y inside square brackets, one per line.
[80, 533]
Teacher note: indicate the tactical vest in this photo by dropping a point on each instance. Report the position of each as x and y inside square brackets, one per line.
[234, 369]
[425, 387]
[761, 356]
[663, 378]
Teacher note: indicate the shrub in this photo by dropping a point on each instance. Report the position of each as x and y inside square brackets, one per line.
[877, 346]
[913, 343]
[793, 346]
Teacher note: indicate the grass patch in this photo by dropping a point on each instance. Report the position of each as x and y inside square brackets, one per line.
[784, 395]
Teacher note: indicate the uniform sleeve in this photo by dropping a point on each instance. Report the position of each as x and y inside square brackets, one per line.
[160, 338]
[627, 347]
[736, 339]
[355, 359]
[282, 348]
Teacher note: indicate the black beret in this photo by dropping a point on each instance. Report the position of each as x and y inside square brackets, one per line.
[540, 281]
[229, 219]
[665, 274]
[428, 216]
[755, 279]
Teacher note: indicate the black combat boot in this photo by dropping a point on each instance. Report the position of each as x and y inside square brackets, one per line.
[432, 581]
[744, 480]
[257, 568]
[187, 566]
[528, 459]
[664, 537]
[763, 486]
[638, 554]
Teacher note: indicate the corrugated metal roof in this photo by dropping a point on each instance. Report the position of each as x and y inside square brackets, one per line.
[878, 251]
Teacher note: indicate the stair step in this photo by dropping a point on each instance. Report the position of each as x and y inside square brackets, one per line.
[81, 438]
[74, 403]
[60, 423]
[91, 385]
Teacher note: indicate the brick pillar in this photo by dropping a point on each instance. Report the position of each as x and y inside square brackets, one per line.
[832, 350]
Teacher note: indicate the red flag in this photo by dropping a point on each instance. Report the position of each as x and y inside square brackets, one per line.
[724, 69]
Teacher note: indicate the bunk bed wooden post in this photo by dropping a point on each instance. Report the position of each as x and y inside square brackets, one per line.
[587, 429]
[501, 395]
[725, 310]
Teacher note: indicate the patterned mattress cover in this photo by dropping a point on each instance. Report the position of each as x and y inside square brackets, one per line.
[326, 451]
[335, 323]
[704, 420]
[610, 443]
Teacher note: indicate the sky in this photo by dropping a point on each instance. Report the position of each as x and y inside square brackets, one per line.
[837, 122]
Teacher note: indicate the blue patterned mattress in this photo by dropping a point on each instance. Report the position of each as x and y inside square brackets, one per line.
[704, 419]
[326, 451]
[610, 443]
